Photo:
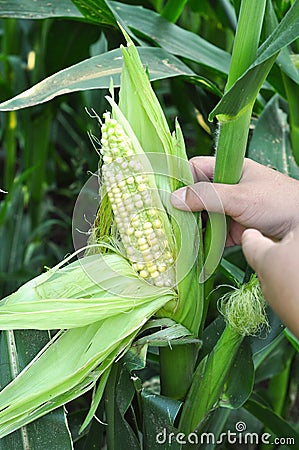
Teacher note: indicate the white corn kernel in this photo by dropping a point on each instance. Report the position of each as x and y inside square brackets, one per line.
[143, 247]
[143, 274]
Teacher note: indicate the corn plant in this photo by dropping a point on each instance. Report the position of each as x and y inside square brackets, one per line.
[140, 297]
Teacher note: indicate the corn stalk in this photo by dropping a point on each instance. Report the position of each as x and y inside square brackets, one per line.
[233, 130]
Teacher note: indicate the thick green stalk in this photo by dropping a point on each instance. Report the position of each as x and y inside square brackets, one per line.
[233, 131]
[247, 38]
[208, 380]
[231, 149]
[176, 370]
[292, 91]
[173, 9]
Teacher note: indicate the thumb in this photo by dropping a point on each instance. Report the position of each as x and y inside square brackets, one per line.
[213, 197]
[255, 246]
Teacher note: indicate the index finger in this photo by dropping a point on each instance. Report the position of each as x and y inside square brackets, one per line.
[202, 168]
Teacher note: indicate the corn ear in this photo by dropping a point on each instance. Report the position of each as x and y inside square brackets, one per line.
[140, 217]
[139, 102]
[163, 159]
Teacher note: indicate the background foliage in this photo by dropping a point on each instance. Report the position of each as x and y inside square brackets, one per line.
[46, 157]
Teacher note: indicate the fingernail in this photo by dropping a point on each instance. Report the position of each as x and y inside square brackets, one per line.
[178, 199]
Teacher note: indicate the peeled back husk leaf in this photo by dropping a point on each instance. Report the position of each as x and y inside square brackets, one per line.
[69, 366]
[86, 291]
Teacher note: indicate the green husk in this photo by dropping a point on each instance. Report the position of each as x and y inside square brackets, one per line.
[84, 292]
[69, 366]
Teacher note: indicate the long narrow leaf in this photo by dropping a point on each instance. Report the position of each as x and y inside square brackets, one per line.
[171, 37]
[96, 73]
[279, 426]
[232, 104]
[272, 127]
[27, 9]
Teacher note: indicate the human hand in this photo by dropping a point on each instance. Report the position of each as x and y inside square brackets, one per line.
[276, 264]
[263, 199]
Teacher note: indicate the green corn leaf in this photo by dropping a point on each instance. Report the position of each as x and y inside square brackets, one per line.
[39, 10]
[172, 38]
[246, 38]
[96, 73]
[240, 379]
[120, 415]
[276, 424]
[231, 271]
[284, 60]
[89, 11]
[293, 340]
[163, 412]
[231, 105]
[170, 333]
[272, 126]
[93, 9]
[96, 399]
